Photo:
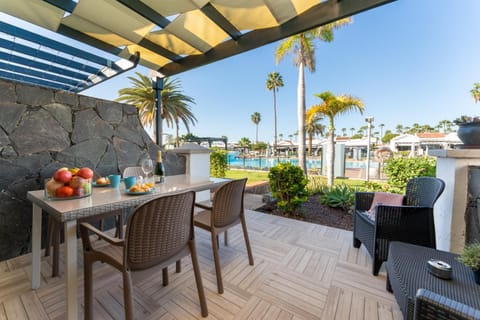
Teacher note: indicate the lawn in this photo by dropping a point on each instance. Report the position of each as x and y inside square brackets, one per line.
[256, 176]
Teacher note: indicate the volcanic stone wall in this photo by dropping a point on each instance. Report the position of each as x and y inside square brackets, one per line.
[42, 130]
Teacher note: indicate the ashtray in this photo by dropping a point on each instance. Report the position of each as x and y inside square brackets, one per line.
[440, 269]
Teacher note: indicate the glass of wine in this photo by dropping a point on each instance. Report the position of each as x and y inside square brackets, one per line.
[147, 167]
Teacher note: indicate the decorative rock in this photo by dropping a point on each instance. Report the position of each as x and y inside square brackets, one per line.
[68, 98]
[39, 132]
[128, 132]
[86, 103]
[7, 92]
[62, 113]
[84, 154]
[10, 114]
[109, 111]
[34, 96]
[128, 153]
[88, 125]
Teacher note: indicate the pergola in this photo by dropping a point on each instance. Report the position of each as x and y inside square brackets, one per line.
[167, 36]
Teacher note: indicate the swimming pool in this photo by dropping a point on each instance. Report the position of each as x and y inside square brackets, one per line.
[262, 163]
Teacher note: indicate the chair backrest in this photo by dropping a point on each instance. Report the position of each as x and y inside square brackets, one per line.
[159, 229]
[423, 191]
[228, 203]
[133, 172]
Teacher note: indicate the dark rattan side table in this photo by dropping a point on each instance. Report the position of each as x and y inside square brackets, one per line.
[407, 272]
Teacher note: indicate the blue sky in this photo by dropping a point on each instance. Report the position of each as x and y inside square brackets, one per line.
[409, 61]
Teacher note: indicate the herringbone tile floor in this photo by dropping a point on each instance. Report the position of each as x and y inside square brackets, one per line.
[301, 271]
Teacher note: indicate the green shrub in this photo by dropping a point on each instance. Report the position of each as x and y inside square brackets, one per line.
[338, 196]
[288, 186]
[315, 184]
[400, 170]
[218, 163]
[470, 256]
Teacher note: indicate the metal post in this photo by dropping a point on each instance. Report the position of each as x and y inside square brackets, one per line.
[369, 120]
[158, 87]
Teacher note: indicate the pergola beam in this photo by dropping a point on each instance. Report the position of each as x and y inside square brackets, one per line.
[318, 15]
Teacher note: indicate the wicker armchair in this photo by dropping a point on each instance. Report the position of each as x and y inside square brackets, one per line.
[412, 222]
[225, 211]
[159, 232]
[432, 306]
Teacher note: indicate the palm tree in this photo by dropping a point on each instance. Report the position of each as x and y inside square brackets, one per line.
[476, 92]
[399, 128]
[352, 130]
[331, 107]
[303, 48]
[381, 125]
[274, 81]
[256, 118]
[344, 132]
[312, 127]
[175, 105]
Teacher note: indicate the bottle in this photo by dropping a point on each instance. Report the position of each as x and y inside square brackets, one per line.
[159, 170]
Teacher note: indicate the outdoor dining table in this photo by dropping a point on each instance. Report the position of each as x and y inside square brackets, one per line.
[101, 200]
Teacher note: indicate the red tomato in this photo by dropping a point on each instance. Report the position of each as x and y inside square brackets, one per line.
[86, 173]
[64, 192]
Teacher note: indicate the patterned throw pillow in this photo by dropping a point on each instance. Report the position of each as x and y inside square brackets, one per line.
[387, 198]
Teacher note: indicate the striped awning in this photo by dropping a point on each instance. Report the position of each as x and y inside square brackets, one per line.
[172, 36]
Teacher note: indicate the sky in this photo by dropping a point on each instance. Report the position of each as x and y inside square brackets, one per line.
[410, 61]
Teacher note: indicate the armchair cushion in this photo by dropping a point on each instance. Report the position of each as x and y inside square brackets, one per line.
[386, 198]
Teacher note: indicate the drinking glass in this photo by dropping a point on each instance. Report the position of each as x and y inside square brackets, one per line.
[147, 167]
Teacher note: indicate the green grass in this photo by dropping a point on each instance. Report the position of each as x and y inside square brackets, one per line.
[256, 176]
[253, 176]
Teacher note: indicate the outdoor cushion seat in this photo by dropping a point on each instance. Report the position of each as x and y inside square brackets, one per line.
[410, 222]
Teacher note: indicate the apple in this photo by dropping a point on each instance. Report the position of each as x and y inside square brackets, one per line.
[76, 182]
[62, 175]
[86, 173]
[52, 186]
[79, 191]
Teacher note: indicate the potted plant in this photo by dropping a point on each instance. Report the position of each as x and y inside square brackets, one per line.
[469, 127]
[470, 256]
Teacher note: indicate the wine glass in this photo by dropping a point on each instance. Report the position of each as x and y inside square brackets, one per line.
[147, 167]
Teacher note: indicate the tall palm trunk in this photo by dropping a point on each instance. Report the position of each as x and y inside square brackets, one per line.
[301, 117]
[177, 139]
[310, 143]
[256, 134]
[330, 153]
[275, 119]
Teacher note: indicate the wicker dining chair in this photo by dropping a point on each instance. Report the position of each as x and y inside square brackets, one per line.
[411, 222]
[224, 212]
[159, 232]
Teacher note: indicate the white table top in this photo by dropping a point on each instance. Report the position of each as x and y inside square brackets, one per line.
[106, 199]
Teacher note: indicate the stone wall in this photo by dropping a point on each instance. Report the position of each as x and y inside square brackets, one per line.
[42, 130]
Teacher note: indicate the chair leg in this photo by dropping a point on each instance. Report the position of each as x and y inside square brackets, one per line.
[356, 243]
[48, 238]
[56, 230]
[127, 296]
[217, 263]
[178, 266]
[389, 285]
[88, 287]
[376, 266]
[247, 241]
[198, 279]
[119, 221]
[165, 276]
